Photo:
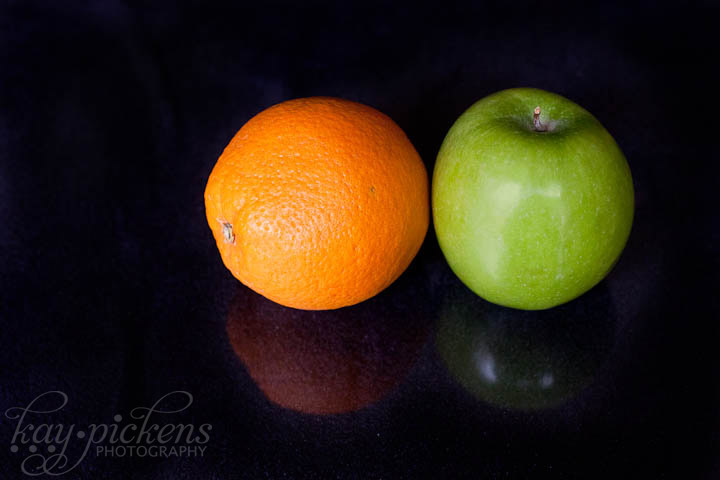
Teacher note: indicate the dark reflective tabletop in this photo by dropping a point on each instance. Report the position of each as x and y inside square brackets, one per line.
[327, 362]
[520, 359]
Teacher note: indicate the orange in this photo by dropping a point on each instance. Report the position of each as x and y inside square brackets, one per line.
[318, 203]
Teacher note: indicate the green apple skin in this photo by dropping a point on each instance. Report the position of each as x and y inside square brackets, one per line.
[531, 219]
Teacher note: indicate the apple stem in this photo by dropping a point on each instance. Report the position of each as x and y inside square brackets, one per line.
[539, 127]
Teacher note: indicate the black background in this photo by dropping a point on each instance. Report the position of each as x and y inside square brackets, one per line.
[112, 290]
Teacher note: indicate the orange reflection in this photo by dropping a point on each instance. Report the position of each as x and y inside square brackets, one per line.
[326, 362]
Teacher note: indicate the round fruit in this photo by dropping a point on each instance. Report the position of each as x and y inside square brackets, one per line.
[532, 199]
[318, 203]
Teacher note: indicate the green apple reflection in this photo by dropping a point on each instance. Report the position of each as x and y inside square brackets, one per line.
[328, 362]
[524, 360]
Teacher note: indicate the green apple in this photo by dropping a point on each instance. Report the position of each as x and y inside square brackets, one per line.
[532, 199]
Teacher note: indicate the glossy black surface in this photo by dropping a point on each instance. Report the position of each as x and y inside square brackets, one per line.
[112, 115]
[337, 361]
[525, 359]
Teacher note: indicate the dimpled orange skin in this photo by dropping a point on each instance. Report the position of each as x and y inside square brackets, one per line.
[318, 203]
